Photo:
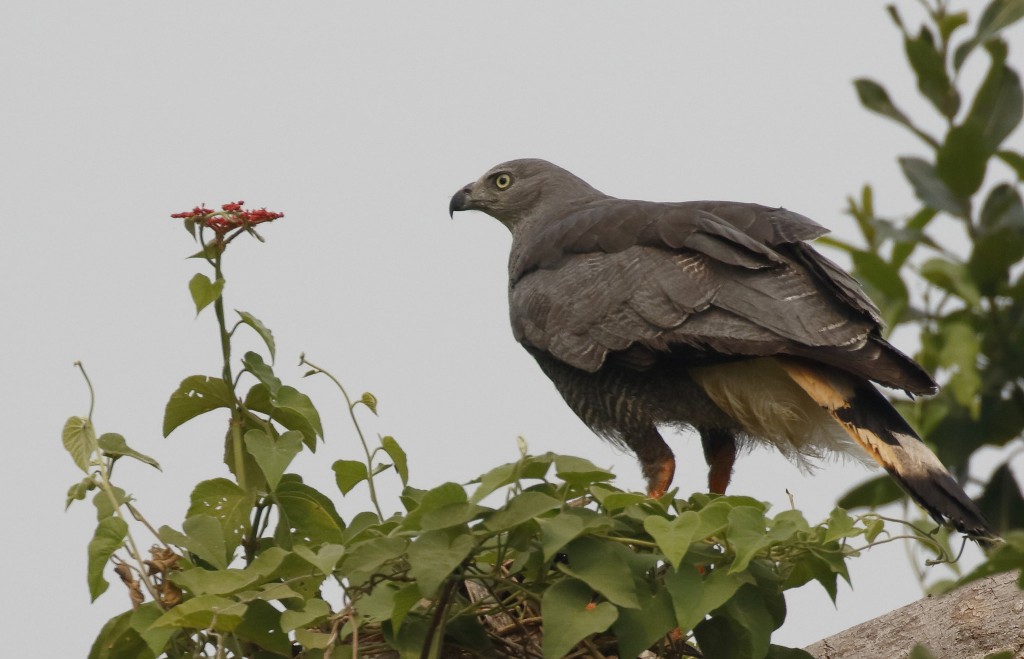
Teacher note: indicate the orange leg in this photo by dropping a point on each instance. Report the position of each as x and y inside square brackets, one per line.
[656, 460]
[659, 476]
[720, 454]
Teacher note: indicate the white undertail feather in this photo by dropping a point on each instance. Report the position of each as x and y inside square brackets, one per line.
[833, 391]
[773, 408]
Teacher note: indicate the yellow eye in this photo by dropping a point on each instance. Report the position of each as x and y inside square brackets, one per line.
[502, 181]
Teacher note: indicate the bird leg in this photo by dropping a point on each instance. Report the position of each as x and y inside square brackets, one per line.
[720, 454]
[656, 460]
[659, 476]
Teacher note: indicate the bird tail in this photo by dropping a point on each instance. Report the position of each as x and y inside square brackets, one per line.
[872, 422]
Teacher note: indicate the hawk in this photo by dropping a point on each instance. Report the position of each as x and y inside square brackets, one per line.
[710, 315]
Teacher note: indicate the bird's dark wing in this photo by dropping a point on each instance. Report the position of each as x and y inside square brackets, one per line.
[707, 280]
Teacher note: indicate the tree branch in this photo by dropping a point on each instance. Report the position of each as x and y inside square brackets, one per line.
[982, 617]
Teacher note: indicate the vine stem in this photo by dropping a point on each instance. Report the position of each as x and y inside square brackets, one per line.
[103, 471]
[355, 422]
[92, 392]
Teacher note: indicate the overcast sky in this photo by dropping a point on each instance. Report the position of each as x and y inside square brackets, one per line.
[359, 120]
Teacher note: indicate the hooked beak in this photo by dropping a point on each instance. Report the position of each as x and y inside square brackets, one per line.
[461, 201]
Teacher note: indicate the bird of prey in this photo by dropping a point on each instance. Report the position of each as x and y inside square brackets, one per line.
[711, 315]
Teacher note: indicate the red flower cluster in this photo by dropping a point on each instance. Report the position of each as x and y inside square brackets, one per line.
[231, 216]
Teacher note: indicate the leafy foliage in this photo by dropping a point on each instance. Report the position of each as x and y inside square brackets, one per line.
[473, 569]
[970, 315]
[464, 570]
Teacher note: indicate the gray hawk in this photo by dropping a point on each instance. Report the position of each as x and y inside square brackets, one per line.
[711, 315]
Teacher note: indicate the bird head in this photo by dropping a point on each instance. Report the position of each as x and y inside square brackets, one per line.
[518, 190]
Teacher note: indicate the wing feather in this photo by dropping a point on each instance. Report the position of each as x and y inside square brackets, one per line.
[698, 277]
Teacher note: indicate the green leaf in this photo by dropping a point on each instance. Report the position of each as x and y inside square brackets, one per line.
[999, 102]
[903, 248]
[993, 258]
[306, 515]
[466, 630]
[874, 97]
[878, 491]
[749, 615]
[404, 600]
[289, 407]
[348, 474]
[864, 214]
[277, 591]
[950, 22]
[452, 514]
[578, 471]
[960, 346]
[952, 277]
[1000, 244]
[1002, 209]
[693, 597]
[685, 586]
[325, 559]
[674, 537]
[366, 558]
[273, 456]
[206, 540]
[104, 506]
[528, 468]
[438, 497]
[204, 291]
[930, 189]
[369, 400]
[570, 616]
[115, 446]
[228, 503]
[79, 439]
[840, 525]
[108, 538]
[206, 612]
[742, 630]
[714, 517]
[261, 625]
[882, 276]
[781, 652]
[397, 456]
[78, 491]
[262, 371]
[614, 501]
[746, 536]
[261, 329]
[434, 556]
[411, 638]
[998, 15]
[604, 566]
[197, 394]
[521, 508]
[312, 611]
[558, 531]
[1014, 160]
[1002, 502]
[117, 640]
[377, 605]
[200, 581]
[927, 60]
[156, 639]
[638, 629]
[962, 159]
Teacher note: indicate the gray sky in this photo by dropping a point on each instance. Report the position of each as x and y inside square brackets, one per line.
[359, 120]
